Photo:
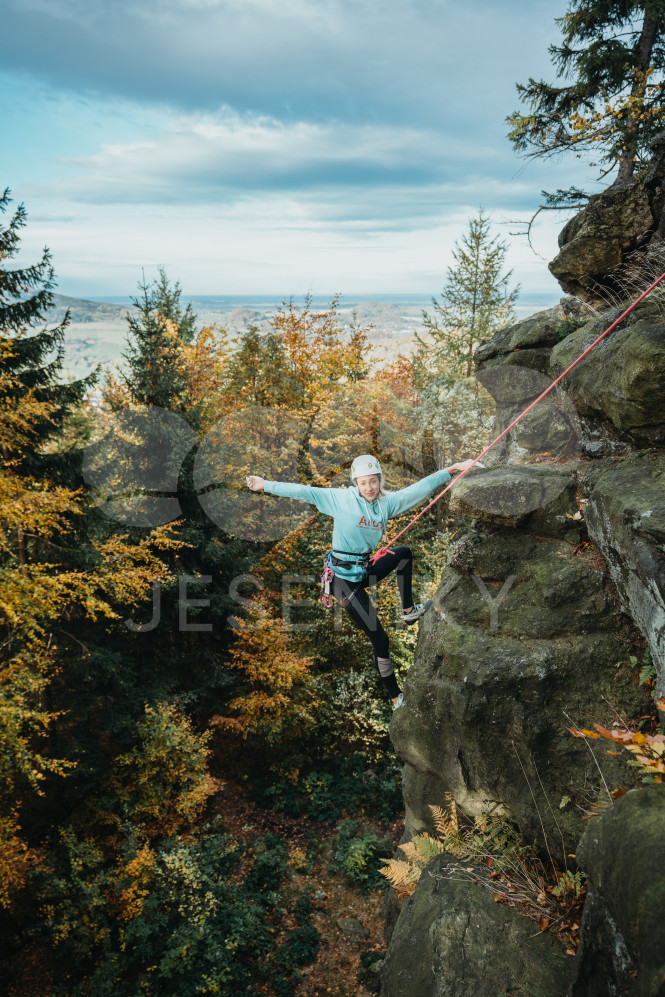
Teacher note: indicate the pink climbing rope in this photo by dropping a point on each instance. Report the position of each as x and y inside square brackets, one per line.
[382, 551]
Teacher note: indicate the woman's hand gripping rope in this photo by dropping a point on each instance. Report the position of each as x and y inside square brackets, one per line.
[462, 467]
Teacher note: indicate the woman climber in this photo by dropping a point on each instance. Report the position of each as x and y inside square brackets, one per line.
[360, 517]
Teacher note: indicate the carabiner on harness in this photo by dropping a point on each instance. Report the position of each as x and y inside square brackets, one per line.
[326, 580]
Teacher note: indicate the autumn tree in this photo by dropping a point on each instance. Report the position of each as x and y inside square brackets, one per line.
[319, 354]
[259, 373]
[47, 600]
[474, 303]
[613, 54]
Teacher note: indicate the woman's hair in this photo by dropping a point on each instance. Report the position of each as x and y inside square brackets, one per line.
[382, 490]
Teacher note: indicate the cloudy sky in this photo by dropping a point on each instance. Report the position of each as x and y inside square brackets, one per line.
[273, 146]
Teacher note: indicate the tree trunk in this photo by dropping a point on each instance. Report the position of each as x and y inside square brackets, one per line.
[643, 53]
[22, 550]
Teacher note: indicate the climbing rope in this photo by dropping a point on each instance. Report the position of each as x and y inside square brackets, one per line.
[382, 551]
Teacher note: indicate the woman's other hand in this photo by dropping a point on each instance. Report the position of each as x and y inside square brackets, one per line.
[255, 482]
[462, 466]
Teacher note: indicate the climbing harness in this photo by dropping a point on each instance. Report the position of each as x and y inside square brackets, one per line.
[363, 558]
[330, 562]
[383, 551]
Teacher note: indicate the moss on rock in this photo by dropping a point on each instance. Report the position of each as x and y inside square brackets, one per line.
[623, 931]
[451, 938]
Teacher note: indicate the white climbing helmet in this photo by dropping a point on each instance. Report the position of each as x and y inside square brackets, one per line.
[365, 464]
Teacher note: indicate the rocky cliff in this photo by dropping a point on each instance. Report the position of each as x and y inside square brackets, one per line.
[550, 608]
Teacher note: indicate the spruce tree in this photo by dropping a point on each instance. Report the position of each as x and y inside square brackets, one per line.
[613, 53]
[475, 302]
[166, 299]
[154, 355]
[35, 359]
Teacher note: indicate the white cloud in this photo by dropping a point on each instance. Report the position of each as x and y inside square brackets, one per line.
[361, 60]
[268, 245]
[270, 145]
[356, 171]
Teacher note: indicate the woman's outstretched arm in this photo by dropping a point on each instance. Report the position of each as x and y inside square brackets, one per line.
[406, 498]
[327, 500]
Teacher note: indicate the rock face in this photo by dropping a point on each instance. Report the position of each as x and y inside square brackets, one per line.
[625, 514]
[524, 642]
[621, 384]
[453, 940]
[599, 245]
[616, 391]
[559, 580]
[622, 947]
[610, 403]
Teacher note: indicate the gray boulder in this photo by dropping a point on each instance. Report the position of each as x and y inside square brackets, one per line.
[509, 496]
[622, 937]
[452, 940]
[613, 235]
[600, 237]
[620, 385]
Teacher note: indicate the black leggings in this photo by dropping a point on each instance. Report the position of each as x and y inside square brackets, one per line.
[355, 599]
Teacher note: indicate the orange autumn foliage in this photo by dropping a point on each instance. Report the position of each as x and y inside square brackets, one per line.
[279, 700]
[648, 749]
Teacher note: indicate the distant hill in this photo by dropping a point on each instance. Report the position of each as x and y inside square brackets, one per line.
[86, 311]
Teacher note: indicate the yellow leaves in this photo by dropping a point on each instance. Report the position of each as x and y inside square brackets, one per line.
[206, 363]
[139, 871]
[127, 569]
[19, 408]
[16, 859]
[318, 351]
[35, 507]
[279, 695]
[164, 780]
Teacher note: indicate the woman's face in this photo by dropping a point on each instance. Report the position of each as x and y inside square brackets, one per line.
[368, 486]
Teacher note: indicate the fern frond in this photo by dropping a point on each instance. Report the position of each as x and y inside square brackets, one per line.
[410, 851]
[427, 847]
[402, 876]
[445, 823]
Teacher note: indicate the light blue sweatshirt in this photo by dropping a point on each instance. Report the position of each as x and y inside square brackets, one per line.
[358, 525]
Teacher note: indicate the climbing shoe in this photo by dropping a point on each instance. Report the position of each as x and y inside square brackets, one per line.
[419, 610]
[400, 701]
